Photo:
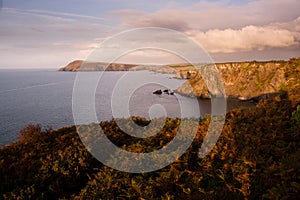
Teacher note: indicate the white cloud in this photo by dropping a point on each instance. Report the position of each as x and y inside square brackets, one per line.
[245, 39]
[225, 28]
[214, 15]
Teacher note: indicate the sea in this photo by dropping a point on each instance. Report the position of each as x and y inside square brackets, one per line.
[49, 97]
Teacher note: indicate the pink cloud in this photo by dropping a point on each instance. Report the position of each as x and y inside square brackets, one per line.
[245, 39]
[214, 15]
[257, 25]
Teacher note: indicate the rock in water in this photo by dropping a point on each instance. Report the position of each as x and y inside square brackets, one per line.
[157, 92]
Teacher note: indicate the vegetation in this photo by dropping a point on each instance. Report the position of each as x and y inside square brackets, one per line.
[256, 157]
[249, 80]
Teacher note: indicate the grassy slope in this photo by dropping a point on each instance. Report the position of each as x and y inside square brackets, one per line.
[257, 156]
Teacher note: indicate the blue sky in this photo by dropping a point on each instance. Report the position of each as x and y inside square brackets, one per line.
[49, 34]
[100, 8]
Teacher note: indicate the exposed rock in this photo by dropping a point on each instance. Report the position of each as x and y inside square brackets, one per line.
[196, 85]
[168, 92]
[183, 74]
[73, 66]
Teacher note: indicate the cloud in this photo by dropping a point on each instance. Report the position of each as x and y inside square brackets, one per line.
[214, 15]
[224, 28]
[62, 14]
[170, 23]
[130, 16]
[245, 39]
[127, 12]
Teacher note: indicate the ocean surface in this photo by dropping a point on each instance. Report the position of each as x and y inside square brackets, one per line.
[45, 97]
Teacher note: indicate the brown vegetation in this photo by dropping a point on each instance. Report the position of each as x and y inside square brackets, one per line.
[256, 157]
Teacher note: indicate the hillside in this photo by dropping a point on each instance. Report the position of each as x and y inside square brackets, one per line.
[256, 157]
[79, 65]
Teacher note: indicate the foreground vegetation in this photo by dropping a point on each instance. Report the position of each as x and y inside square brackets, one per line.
[256, 157]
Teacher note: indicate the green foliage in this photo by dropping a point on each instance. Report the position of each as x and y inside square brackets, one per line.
[256, 157]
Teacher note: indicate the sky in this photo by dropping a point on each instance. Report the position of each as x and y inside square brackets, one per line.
[50, 34]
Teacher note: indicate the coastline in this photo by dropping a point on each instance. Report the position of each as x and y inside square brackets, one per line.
[242, 80]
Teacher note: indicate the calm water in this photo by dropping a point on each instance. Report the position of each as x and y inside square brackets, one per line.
[45, 97]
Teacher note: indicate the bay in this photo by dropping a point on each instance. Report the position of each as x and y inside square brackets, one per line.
[45, 97]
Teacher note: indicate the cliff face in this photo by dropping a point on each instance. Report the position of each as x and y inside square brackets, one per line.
[73, 66]
[245, 80]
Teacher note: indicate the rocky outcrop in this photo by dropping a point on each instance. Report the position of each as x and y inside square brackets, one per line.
[243, 80]
[73, 66]
[185, 74]
[157, 92]
[166, 91]
[199, 87]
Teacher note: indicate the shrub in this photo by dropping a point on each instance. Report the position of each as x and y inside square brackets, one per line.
[30, 132]
[256, 157]
[296, 117]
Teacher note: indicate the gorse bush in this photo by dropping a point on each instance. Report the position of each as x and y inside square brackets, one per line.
[256, 157]
[31, 133]
[296, 116]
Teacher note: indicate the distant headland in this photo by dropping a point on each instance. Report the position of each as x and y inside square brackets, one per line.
[243, 80]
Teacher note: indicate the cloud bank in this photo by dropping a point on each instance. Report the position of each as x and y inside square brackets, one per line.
[247, 38]
[219, 28]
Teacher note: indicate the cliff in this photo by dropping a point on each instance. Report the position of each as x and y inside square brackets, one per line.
[242, 80]
[79, 65]
[245, 80]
